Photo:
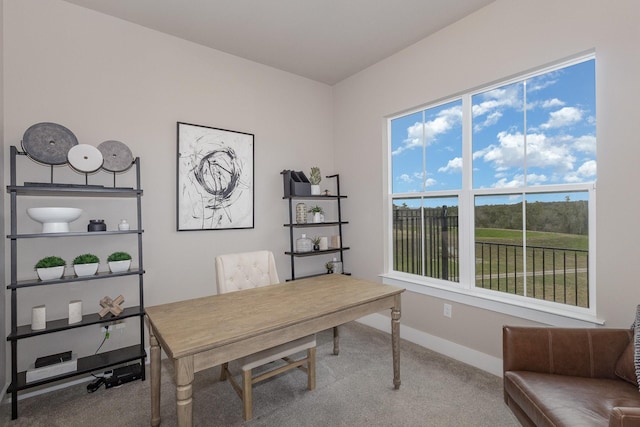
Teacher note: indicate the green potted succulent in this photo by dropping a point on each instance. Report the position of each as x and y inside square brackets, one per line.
[50, 267]
[329, 267]
[317, 214]
[86, 265]
[119, 261]
[316, 243]
[314, 178]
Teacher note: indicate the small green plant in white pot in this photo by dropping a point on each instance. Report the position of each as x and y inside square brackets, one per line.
[318, 214]
[86, 265]
[119, 262]
[50, 268]
[314, 178]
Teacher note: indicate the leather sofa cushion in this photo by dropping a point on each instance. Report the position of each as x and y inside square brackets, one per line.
[560, 400]
[626, 368]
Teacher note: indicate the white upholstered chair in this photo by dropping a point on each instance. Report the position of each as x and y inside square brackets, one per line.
[247, 270]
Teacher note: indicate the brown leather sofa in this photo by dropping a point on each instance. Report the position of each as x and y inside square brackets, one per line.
[570, 377]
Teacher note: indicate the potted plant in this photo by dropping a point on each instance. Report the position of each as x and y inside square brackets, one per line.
[318, 214]
[119, 261]
[51, 267]
[314, 179]
[86, 265]
[329, 267]
[316, 243]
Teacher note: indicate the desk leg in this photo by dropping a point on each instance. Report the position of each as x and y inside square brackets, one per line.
[184, 391]
[336, 340]
[395, 341]
[155, 379]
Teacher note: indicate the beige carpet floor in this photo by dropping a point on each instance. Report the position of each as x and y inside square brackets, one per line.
[353, 389]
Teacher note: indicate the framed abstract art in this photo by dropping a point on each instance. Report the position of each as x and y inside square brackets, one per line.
[215, 185]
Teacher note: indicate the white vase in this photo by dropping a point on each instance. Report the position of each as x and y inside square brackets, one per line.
[119, 266]
[50, 273]
[318, 217]
[315, 190]
[85, 269]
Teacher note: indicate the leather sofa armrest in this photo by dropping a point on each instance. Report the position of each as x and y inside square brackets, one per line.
[624, 417]
[584, 352]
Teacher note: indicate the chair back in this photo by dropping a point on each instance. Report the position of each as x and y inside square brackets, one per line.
[245, 270]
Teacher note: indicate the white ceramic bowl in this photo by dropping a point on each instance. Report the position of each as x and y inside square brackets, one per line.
[54, 220]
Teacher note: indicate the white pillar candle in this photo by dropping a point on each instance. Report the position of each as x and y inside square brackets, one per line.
[38, 317]
[324, 243]
[75, 311]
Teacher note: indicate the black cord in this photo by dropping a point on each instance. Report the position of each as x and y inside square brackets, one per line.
[106, 335]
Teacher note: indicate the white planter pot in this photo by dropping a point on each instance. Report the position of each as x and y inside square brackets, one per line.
[315, 190]
[119, 266]
[318, 217]
[50, 273]
[85, 269]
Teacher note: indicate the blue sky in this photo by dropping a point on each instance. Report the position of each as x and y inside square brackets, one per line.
[560, 136]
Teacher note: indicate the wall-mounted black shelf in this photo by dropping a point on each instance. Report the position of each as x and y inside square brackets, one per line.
[292, 225]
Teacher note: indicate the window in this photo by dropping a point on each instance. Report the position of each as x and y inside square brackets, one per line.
[494, 191]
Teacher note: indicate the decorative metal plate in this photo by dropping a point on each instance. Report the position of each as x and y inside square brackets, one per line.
[48, 143]
[85, 158]
[117, 156]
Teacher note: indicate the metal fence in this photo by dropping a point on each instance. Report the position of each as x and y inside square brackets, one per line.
[429, 246]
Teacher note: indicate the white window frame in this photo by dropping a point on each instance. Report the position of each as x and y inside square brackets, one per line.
[465, 291]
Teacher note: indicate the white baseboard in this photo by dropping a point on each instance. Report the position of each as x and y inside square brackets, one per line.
[464, 354]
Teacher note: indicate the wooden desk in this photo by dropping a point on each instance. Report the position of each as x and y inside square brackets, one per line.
[204, 332]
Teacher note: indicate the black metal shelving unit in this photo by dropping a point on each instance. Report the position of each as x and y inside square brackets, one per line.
[90, 363]
[292, 225]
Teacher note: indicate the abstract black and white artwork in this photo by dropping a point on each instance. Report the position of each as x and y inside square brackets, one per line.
[215, 178]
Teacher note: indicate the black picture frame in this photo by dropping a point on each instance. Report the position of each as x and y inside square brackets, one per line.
[215, 178]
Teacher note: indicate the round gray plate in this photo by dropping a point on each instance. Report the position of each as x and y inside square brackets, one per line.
[48, 143]
[117, 156]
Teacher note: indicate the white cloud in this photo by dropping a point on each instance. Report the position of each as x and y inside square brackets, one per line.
[552, 103]
[542, 152]
[518, 181]
[405, 178]
[563, 117]
[587, 170]
[444, 122]
[430, 182]
[585, 144]
[453, 165]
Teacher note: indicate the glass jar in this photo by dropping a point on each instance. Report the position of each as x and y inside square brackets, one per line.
[337, 266]
[301, 213]
[304, 244]
[96, 225]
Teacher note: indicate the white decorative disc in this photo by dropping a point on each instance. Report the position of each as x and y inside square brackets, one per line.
[85, 158]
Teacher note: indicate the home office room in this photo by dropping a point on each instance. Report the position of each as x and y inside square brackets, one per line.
[458, 146]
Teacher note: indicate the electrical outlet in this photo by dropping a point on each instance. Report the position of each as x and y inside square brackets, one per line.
[112, 327]
[447, 310]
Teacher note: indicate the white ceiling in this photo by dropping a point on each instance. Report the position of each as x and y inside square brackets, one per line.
[324, 40]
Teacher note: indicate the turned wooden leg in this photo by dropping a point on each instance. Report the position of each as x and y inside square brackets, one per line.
[247, 397]
[184, 391]
[155, 379]
[336, 340]
[395, 341]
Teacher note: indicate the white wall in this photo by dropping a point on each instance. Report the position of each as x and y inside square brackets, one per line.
[503, 39]
[104, 78]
